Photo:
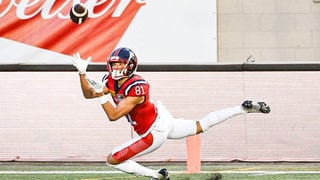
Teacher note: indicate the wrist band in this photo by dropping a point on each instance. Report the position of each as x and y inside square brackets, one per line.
[103, 99]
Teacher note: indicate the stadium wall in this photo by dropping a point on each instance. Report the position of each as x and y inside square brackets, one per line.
[269, 30]
[45, 118]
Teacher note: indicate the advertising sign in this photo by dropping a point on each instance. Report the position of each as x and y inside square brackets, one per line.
[159, 32]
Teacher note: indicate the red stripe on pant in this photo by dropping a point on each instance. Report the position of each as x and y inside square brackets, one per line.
[135, 148]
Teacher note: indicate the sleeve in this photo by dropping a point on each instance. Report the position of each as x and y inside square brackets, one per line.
[105, 78]
[138, 89]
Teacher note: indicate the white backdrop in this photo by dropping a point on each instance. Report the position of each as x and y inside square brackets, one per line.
[43, 116]
[174, 32]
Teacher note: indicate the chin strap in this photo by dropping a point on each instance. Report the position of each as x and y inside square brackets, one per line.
[117, 74]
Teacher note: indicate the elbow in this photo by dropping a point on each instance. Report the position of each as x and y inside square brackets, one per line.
[112, 118]
[87, 96]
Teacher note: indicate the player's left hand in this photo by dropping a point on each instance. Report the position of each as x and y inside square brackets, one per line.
[81, 64]
[98, 88]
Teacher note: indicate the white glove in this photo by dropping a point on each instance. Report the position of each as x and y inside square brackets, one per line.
[98, 88]
[81, 64]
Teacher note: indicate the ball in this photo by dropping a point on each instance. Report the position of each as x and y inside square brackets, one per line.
[79, 13]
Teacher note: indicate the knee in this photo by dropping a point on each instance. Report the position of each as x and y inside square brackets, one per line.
[199, 128]
[111, 160]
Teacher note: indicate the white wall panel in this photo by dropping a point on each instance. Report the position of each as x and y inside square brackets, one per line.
[43, 116]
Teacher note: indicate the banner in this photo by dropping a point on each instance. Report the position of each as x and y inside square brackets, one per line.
[161, 32]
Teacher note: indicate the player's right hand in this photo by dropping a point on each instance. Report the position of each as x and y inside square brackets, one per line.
[81, 64]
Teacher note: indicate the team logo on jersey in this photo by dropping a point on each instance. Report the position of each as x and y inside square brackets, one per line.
[118, 98]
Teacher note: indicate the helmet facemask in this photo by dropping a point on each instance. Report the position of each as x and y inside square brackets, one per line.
[118, 73]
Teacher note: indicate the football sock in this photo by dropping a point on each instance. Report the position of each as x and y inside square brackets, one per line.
[217, 117]
[132, 167]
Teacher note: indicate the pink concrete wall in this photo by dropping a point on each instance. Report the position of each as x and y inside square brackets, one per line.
[43, 116]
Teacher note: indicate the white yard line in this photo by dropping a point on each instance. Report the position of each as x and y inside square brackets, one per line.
[269, 172]
[173, 172]
[60, 172]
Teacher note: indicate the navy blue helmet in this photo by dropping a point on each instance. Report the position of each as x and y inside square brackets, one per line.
[126, 56]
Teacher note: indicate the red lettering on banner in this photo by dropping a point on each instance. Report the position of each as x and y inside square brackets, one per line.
[46, 24]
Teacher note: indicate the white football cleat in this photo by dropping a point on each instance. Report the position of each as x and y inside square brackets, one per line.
[255, 107]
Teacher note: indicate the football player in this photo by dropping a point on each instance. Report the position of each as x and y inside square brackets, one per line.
[151, 121]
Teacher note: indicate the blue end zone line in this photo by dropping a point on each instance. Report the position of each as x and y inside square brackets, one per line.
[171, 172]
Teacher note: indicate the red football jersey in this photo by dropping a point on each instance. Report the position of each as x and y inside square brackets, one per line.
[143, 115]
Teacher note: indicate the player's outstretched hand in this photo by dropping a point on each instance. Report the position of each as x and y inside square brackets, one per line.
[81, 64]
[98, 88]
